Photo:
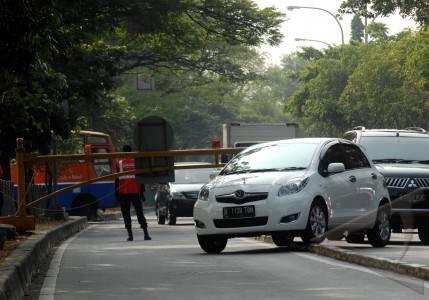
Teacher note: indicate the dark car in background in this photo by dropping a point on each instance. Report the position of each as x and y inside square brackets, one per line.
[177, 199]
[402, 156]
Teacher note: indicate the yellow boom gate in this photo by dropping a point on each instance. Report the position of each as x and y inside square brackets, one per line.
[24, 221]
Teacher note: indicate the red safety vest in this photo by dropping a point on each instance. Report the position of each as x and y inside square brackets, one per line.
[128, 183]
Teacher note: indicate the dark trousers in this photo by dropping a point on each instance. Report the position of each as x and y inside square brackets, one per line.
[126, 200]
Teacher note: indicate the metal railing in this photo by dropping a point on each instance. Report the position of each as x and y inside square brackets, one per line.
[29, 197]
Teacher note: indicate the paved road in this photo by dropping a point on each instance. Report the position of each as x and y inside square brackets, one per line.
[99, 264]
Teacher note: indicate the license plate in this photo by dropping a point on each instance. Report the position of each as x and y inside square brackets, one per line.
[238, 212]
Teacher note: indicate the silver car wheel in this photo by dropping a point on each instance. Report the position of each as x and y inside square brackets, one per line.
[384, 225]
[317, 221]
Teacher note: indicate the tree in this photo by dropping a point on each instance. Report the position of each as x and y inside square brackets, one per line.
[378, 32]
[417, 9]
[379, 85]
[357, 29]
[61, 59]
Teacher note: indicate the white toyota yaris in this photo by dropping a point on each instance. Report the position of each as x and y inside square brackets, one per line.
[297, 187]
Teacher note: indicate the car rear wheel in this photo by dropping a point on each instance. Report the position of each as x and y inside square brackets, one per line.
[424, 233]
[282, 239]
[212, 244]
[316, 225]
[379, 235]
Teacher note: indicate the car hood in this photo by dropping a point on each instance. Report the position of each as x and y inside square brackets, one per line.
[403, 170]
[185, 187]
[263, 178]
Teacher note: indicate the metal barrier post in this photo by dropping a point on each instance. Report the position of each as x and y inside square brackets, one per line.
[21, 221]
[22, 196]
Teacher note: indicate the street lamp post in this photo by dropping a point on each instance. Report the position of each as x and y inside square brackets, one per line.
[292, 7]
[310, 40]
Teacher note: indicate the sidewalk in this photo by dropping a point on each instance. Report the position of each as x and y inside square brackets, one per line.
[404, 254]
[404, 248]
[17, 269]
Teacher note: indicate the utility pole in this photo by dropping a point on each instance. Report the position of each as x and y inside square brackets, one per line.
[366, 29]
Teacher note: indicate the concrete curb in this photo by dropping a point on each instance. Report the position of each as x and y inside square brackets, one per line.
[18, 268]
[418, 271]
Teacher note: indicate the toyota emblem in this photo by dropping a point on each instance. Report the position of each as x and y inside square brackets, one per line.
[239, 194]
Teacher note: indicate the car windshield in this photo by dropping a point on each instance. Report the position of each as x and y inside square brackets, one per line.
[190, 176]
[278, 157]
[393, 149]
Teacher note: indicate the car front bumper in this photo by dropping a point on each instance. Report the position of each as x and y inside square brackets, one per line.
[269, 217]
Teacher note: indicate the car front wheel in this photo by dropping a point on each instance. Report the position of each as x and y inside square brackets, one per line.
[171, 218]
[212, 244]
[316, 225]
[282, 239]
[379, 235]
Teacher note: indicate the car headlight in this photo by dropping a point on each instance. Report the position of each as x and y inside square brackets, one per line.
[293, 187]
[178, 196]
[204, 194]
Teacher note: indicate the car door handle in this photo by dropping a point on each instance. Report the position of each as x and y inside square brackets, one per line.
[374, 176]
[352, 178]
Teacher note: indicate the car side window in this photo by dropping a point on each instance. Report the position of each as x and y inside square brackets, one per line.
[335, 154]
[355, 159]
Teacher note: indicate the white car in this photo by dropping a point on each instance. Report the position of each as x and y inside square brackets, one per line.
[296, 187]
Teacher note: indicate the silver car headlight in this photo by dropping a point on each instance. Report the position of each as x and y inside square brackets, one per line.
[204, 194]
[292, 187]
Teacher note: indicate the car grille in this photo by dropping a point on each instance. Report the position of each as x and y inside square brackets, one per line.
[405, 182]
[422, 182]
[247, 197]
[191, 195]
[242, 222]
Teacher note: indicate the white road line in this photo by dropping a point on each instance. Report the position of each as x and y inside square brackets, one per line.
[49, 284]
[340, 265]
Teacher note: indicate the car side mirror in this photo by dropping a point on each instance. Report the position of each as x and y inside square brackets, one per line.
[334, 168]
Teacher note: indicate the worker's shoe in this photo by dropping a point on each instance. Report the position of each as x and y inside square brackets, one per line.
[146, 234]
[130, 235]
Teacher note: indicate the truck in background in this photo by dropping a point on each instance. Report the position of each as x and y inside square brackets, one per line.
[247, 134]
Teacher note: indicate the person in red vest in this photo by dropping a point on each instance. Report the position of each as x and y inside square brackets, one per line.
[130, 191]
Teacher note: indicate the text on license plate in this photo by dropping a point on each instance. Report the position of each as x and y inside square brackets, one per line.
[239, 212]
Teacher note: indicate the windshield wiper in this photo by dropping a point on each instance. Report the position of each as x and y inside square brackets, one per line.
[393, 160]
[422, 161]
[265, 170]
[293, 169]
[235, 172]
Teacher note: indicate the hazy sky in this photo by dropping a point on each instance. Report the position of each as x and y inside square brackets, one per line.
[317, 25]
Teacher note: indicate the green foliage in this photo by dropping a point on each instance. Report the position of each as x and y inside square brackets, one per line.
[379, 85]
[357, 29]
[418, 9]
[378, 32]
[60, 59]
[196, 104]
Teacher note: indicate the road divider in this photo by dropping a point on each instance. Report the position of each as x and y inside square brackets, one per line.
[397, 266]
[18, 268]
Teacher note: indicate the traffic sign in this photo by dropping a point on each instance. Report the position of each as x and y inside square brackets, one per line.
[154, 134]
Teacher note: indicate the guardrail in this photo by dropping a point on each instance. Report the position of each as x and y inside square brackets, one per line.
[24, 222]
